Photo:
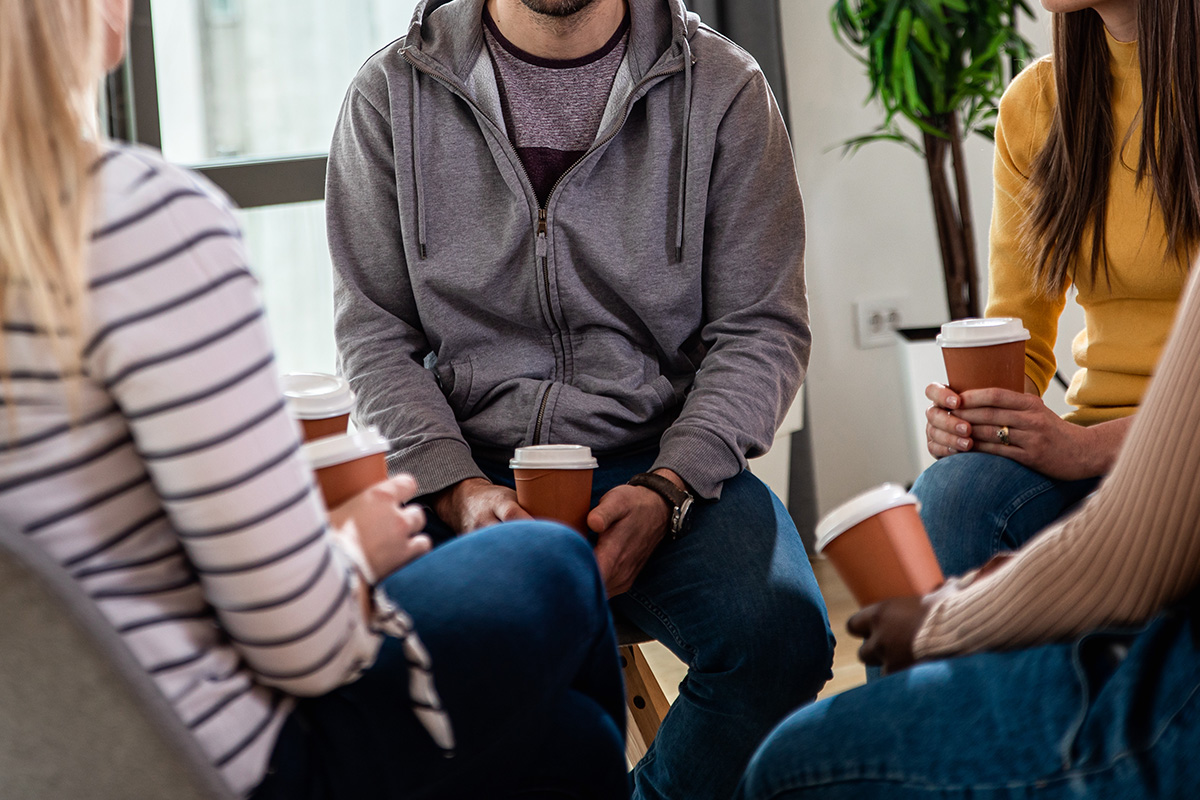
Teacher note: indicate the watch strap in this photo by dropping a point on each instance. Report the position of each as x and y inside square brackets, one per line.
[665, 488]
[678, 500]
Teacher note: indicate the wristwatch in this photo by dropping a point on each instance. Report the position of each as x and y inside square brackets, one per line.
[679, 501]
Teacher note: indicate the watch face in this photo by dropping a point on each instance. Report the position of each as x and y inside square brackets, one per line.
[682, 516]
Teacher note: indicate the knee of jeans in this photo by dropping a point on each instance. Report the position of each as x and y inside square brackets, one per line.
[559, 558]
[553, 549]
[772, 768]
[963, 520]
[762, 643]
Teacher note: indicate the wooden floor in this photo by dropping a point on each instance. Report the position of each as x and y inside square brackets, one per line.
[847, 670]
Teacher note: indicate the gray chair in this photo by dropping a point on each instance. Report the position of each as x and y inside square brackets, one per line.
[78, 716]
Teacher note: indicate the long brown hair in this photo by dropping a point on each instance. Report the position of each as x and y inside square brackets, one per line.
[1069, 181]
[50, 64]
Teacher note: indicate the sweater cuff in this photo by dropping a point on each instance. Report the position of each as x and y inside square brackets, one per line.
[929, 642]
[700, 457]
[435, 464]
[939, 636]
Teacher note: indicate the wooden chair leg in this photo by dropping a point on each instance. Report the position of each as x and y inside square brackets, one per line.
[645, 701]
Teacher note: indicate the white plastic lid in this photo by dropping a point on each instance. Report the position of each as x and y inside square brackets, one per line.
[855, 510]
[982, 332]
[345, 447]
[553, 456]
[317, 395]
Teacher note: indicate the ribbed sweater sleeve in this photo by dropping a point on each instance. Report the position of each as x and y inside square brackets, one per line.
[1132, 549]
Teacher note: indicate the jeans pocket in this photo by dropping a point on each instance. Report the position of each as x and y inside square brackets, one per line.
[1134, 680]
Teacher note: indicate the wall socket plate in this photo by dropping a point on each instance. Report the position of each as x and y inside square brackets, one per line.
[875, 319]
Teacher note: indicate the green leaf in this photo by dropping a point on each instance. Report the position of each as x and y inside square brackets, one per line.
[900, 47]
[920, 34]
[925, 59]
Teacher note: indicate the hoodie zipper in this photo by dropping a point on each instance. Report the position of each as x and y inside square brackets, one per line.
[540, 248]
[541, 245]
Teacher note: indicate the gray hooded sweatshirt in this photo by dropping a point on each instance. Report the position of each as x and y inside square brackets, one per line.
[657, 300]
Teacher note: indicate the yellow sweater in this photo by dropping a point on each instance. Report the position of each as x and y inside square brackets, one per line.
[1126, 319]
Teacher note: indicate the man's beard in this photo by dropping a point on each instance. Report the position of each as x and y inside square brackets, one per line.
[556, 8]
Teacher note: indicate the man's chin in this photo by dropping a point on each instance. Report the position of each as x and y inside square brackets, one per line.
[556, 8]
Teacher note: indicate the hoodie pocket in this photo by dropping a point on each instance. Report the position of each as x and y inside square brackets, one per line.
[454, 378]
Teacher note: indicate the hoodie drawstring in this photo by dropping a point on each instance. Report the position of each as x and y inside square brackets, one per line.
[683, 159]
[416, 155]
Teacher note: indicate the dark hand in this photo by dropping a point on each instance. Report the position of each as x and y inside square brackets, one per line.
[476, 503]
[629, 522]
[888, 629]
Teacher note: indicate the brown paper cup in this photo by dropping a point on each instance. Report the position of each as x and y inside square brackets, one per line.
[984, 353]
[555, 482]
[879, 547]
[320, 402]
[999, 365]
[328, 426]
[348, 464]
[564, 495]
[342, 481]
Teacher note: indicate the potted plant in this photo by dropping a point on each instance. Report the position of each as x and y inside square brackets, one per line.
[942, 65]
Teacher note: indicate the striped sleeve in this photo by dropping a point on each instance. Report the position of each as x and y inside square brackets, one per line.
[1132, 549]
[180, 344]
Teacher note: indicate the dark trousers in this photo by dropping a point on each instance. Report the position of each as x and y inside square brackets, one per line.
[515, 620]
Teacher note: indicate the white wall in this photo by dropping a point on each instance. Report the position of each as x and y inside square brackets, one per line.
[870, 234]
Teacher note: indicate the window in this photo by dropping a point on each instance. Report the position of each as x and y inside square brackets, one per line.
[247, 92]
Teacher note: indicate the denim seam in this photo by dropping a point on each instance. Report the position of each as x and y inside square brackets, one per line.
[1067, 775]
[1019, 502]
[917, 784]
[1067, 746]
[665, 620]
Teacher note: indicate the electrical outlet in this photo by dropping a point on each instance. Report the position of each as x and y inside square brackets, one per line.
[874, 321]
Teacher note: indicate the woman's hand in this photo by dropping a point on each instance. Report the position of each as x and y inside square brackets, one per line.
[1020, 426]
[387, 531]
[888, 629]
[945, 434]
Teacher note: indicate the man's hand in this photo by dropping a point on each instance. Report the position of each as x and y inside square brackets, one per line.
[387, 531]
[476, 503]
[629, 522]
[888, 629]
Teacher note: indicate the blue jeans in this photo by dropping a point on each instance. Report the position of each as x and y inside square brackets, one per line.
[975, 505]
[735, 599]
[524, 658]
[1113, 716]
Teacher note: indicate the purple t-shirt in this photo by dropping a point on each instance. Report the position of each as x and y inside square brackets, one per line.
[552, 108]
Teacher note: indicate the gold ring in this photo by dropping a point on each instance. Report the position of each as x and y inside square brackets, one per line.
[1002, 435]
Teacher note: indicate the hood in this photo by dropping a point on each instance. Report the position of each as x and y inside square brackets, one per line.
[438, 27]
[447, 35]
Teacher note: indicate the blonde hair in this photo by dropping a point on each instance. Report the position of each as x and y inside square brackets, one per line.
[51, 61]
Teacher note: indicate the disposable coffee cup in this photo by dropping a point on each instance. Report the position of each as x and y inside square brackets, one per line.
[878, 545]
[984, 353]
[348, 463]
[554, 481]
[320, 402]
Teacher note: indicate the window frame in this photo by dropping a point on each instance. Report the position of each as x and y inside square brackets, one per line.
[132, 114]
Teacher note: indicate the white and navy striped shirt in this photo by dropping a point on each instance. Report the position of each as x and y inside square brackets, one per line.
[177, 495]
